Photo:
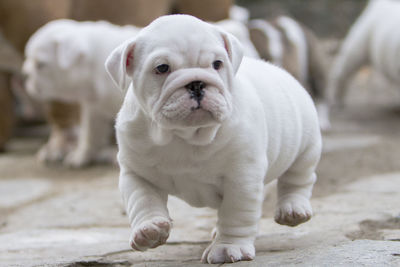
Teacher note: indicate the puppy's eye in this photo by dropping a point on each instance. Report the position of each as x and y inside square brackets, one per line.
[217, 64]
[161, 69]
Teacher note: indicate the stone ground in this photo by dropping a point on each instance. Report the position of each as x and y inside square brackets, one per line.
[59, 217]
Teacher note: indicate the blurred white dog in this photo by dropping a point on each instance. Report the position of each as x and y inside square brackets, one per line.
[289, 44]
[241, 32]
[65, 62]
[374, 39]
[203, 123]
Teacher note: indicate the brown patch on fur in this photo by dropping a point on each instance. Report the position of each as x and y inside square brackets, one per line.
[63, 115]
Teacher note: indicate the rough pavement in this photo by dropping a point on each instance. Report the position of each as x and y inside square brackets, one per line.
[59, 217]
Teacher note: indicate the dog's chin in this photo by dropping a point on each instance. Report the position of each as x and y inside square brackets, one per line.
[180, 110]
[197, 119]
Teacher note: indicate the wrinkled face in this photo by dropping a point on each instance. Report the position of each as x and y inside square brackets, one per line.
[46, 78]
[41, 77]
[182, 73]
[187, 83]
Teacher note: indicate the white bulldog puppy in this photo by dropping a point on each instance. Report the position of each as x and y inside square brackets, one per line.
[65, 62]
[287, 43]
[203, 123]
[374, 39]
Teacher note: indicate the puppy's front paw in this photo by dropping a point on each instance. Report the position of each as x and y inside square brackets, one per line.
[293, 211]
[60, 143]
[150, 234]
[219, 252]
[324, 124]
[48, 154]
[77, 159]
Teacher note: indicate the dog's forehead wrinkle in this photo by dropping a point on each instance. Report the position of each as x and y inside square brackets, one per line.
[179, 56]
[183, 32]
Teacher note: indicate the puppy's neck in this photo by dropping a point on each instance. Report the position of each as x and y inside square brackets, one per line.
[199, 136]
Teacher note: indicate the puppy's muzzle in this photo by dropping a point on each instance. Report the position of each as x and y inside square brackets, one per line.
[196, 91]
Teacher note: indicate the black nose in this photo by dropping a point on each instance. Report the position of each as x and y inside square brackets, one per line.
[196, 90]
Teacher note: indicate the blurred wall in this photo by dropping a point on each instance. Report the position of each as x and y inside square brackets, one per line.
[210, 10]
[142, 12]
[20, 18]
[328, 18]
[138, 12]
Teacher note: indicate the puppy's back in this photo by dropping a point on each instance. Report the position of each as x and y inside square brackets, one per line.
[289, 112]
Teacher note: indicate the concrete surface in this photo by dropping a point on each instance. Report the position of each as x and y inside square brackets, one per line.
[59, 217]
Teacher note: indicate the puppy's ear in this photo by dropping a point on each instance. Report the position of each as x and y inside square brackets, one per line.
[119, 64]
[70, 50]
[234, 49]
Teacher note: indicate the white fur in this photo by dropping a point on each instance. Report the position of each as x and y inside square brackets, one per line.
[65, 62]
[374, 40]
[239, 13]
[306, 64]
[295, 34]
[255, 124]
[241, 32]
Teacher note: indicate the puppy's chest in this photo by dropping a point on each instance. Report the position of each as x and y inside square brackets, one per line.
[191, 175]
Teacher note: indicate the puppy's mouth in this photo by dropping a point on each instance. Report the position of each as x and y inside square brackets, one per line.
[193, 97]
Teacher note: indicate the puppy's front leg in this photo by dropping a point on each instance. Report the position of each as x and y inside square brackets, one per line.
[237, 224]
[94, 133]
[146, 207]
[60, 142]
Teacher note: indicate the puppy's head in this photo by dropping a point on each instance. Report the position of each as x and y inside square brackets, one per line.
[181, 69]
[54, 60]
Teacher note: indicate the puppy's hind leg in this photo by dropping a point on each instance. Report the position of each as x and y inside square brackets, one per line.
[63, 119]
[295, 188]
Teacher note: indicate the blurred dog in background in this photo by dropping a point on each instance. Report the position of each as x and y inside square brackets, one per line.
[372, 40]
[19, 20]
[289, 44]
[292, 46]
[64, 62]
